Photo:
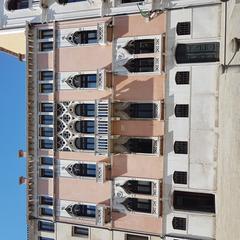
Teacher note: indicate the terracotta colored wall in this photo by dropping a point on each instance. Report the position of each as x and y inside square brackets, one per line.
[138, 128]
[45, 61]
[84, 58]
[45, 186]
[138, 87]
[83, 190]
[48, 97]
[137, 222]
[136, 25]
[137, 165]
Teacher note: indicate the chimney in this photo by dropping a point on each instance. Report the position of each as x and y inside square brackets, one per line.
[21, 154]
[22, 180]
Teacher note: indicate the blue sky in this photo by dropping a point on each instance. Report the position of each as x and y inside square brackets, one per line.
[12, 128]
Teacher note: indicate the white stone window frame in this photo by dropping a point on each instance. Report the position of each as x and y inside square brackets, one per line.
[80, 235]
[136, 234]
[119, 3]
[40, 41]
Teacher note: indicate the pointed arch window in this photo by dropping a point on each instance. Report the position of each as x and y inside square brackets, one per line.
[83, 81]
[86, 126]
[83, 37]
[80, 210]
[138, 187]
[82, 170]
[140, 145]
[85, 110]
[140, 46]
[140, 65]
[84, 143]
[138, 205]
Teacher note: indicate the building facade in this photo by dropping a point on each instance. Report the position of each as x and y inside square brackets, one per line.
[122, 117]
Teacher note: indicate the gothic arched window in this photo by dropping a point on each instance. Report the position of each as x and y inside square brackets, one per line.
[140, 46]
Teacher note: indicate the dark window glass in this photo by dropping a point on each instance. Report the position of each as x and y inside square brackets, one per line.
[80, 231]
[69, 1]
[46, 46]
[46, 88]
[197, 52]
[180, 177]
[17, 4]
[45, 226]
[138, 205]
[139, 145]
[48, 173]
[46, 75]
[46, 161]
[85, 81]
[46, 200]
[181, 110]
[138, 187]
[46, 107]
[183, 28]
[46, 212]
[79, 210]
[46, 119]
[45, 34]
[85, 143]
[46, 132]
[131, 1]
[141, 110]
[181, 147]
[140, 65]
[85, 126]
[46, 144]
[84, 170]
[182, 77]
[140, 46]
[179, 223]
[85, 37]
[45, 238]
[135, 237]
[193, 201]
[85, 110]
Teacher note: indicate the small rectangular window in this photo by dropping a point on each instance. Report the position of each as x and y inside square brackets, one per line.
[135, 237]
[45, 34]
[180, 177]
[80, 231]
[46, 107]
[46, 88]
[46, 212]
[131, 1]
[45, 238]
[45, 172]
[181, 110]
[46, 161]
[46, 75]
[45, 226]
[46, 119]
[46, 46]
[181, 147]
[46, 200]
[46, 144]
[46, 131]
[183, 28]
[182, 78]
[179, 223]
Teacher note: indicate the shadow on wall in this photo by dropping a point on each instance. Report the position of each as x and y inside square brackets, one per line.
[121, 26]
[120, 165]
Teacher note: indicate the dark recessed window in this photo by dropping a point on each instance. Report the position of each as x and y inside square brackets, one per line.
[46, 88]
[46, 107]
[80, 231]
[45, 34]
[135, 237]
[138, 187]
[69, 1]
[141, 110]
[46, 75]
[46, 144]
[46, 46]
[46, 200]
[194, 201]
[181, 147]
[86, 126]
[46, 119]
[85, 110]
[140, 65]
[131, 1]
[138, 205]
[45, 238]
[139, 145]
[197, 52]
[85, 143]
[17, 4]
[179, 223]
[84, 170]
[45, 226]
[46, 132]
[183, 28]
[182, 77]
[181, 110]
[46, 161]
[80, 210]
[46, 212]
[45, 172]
[84, 37]
[140, 46]
[85, 81]
[180, 177]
